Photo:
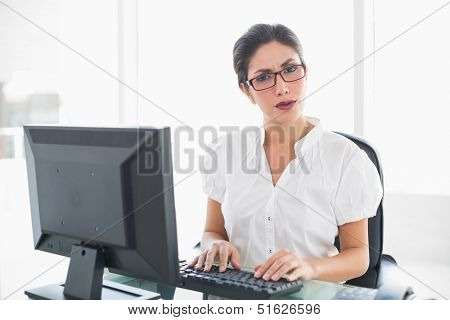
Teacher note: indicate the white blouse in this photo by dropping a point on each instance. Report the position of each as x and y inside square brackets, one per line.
[330, 182]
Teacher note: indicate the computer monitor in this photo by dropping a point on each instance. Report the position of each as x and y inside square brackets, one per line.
[103, 197]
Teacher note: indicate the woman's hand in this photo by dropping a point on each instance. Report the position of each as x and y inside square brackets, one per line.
[221, 248]
[282, 262]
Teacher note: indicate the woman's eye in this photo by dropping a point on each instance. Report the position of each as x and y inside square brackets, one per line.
[264, 77]
[291, 69]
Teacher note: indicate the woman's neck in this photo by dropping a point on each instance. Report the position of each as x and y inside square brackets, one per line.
[284, 136]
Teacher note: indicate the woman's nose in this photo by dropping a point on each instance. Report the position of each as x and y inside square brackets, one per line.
[281, 86]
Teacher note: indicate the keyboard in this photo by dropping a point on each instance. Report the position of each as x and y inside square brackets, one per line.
[235, 284]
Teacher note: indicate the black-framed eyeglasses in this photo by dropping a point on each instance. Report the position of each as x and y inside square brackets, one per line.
[268, 80]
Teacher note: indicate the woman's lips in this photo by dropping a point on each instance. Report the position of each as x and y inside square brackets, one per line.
[286, 106]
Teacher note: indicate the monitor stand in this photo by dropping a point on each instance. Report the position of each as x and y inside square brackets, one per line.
[110, 291]
[85, 281]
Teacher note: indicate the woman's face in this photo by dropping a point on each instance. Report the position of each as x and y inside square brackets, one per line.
[273, 56]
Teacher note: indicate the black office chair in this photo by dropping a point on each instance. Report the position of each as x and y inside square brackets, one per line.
[382, 268]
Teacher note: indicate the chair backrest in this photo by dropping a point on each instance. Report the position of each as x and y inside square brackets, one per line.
[369, 279]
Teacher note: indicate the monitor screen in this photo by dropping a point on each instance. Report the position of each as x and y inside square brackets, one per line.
[108, 189]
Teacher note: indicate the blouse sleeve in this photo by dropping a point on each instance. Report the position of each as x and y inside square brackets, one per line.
[212, 170]
[359, 191]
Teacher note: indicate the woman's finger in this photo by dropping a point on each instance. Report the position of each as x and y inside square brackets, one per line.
[234, 258]
[295, 274]
[201, 259]
[276, 265]
[211, 256]
[193, 262]
[285, 268]
[266, 265]
[223, 256]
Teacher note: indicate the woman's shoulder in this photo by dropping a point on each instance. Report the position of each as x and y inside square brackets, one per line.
[336, 141]
[337, 149]
[235, 144]
[236, 139]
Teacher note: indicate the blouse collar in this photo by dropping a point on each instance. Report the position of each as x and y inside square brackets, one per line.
[305, 143]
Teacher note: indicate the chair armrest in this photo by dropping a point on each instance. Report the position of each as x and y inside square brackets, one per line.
[389, 273]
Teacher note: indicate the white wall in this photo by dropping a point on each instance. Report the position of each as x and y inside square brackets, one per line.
[416, 235]
[408, 125]
[409, 120]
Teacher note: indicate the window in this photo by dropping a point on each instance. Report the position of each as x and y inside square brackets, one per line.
[409, 120]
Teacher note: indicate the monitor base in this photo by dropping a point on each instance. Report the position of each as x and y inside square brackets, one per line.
[110, 291]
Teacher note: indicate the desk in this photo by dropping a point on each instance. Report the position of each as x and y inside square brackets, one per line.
[312, 290]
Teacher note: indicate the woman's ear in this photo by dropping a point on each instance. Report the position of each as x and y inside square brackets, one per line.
[246, 91]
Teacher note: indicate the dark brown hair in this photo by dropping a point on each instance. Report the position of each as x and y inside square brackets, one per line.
[259, 34]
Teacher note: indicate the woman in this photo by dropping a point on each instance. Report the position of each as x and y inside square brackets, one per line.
[309, 186]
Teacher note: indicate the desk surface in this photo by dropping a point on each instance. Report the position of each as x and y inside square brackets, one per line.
[312, 290]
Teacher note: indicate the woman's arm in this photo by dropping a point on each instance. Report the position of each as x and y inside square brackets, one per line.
[215, 241]
[214, 226]
[351, 262]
